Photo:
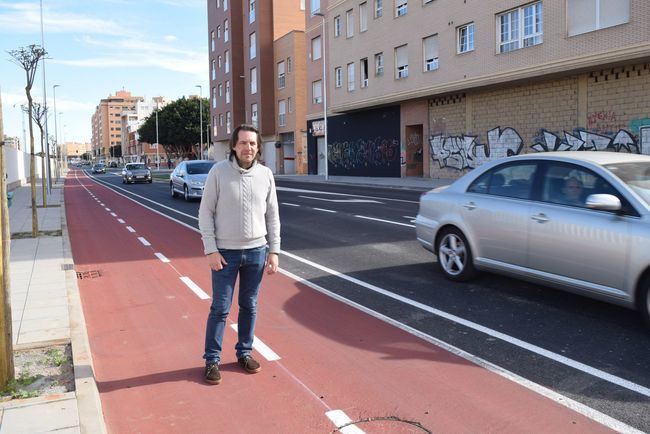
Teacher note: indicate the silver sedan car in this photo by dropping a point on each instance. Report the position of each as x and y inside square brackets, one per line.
[188, 178]
[578, 221]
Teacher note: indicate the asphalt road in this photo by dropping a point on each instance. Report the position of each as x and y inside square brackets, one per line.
[359, 243]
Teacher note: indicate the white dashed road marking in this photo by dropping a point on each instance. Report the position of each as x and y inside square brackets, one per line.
[195, 288]
[384, 221]
[162, 257]
[130, 229]
[339, 418]
[144, 241]
[262, 348]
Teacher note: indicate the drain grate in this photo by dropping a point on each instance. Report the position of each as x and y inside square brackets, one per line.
[92, 274]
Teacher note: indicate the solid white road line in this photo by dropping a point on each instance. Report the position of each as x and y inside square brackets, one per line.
[339, 418]
[324, 210]
[162, 257]
[289, 204]
[343, 200]
[384, 221]
[113, 214]
[144, 241]
[261, 348]
[541, 390]
[121, 221]
[409, 217]
[488, 331]
[195, 288]
[300, 190]
[130, 229]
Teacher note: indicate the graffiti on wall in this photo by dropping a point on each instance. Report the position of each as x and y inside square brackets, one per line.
[622, 141]
[354, 154]
[604, 120]
[466, 152]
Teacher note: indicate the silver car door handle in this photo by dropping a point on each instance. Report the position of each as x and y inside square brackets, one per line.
[470, 206]
[541, 218]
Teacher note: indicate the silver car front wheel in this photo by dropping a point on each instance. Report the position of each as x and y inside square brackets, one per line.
[455, 256]
[644, 300]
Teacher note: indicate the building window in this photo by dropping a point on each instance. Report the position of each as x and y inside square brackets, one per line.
[251, 11]
[401, 62]
[363, 66]
[363, 17]
[218, 32]
[227, 92]
[225, 5]
[254, 114]
[214, 69]
[252, 41]
[430, 51]
[290, 104]
[228, 121]
[218, 4]
[401, 7]
[588, 15]
[282, 113]
[338, 76]
[349, 22]
[316, 48]
[288, 65]
[314, 6]
[465, 38]
[350, 77]
[281, 76]
[221, 119]
[520, 27]
[379, 8]
[214, 97]
[253, 81]
[337, 26]
[317, 92]
[212, 44]
[379, 64]
[225, 31]
[214, 126]
[220, 87]
[219, 61]
[226, 65]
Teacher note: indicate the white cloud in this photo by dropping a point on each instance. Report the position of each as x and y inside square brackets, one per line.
[170, 38]
[25, 18]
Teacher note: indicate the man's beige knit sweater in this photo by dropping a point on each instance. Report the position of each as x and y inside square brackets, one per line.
[239, 208]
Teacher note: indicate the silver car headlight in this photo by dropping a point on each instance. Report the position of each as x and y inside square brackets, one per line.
[128, 173]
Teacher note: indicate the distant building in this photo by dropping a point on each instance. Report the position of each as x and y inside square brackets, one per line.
[13, 142]
[131, 120]
[107, 123]
[73, 150]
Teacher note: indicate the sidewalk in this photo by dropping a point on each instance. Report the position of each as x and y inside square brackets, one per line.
[412, 183]
[46, 310]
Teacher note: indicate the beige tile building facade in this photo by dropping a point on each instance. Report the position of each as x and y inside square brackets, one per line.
[477, 80]
[107, 124]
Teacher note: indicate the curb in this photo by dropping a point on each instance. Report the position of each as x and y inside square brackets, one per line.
[91, 418]
[18, 403]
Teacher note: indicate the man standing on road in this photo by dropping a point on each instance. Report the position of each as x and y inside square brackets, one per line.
[239, 209]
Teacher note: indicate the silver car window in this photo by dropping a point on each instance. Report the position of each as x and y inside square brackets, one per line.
[509, 180]
[567, 184]
[635, 175]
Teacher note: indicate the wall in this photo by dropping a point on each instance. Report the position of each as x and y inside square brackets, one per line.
[601, 110]
[17, 167]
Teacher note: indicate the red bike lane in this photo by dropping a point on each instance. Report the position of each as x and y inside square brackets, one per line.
[146, 329]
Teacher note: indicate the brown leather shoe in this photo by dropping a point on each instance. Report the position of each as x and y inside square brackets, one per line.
[249, 364]
[212, 374]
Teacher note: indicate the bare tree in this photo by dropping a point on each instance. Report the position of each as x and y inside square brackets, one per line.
[27, 58]
[38, 114]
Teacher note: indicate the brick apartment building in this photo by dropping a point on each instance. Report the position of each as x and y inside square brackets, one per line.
[107, 124]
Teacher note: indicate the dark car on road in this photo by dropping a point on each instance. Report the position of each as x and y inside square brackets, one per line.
[189, 178]
[136, 172]
[99, 168]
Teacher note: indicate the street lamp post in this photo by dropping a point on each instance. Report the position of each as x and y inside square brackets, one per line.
[47, 138]
[200, 117]
[157, 144]
[323, 40]
[56, 135]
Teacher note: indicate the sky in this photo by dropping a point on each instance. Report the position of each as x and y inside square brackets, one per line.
[98, 47]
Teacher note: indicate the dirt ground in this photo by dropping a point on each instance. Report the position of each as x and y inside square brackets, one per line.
[41, 371]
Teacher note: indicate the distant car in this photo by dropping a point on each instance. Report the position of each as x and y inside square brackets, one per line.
[112, 164]
[578, 221]
[136, 172]
[99, 168]
[188, 178]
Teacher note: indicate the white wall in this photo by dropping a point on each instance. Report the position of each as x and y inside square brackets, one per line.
[17, 166]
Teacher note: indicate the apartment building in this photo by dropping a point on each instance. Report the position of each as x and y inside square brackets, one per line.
[242, 69]
[131, 120]
[74, 150]
[433, 88]
[107, 123]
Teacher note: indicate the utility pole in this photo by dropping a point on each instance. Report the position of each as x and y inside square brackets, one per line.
[6, 338]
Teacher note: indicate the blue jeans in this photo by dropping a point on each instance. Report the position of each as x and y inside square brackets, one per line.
[249, 264]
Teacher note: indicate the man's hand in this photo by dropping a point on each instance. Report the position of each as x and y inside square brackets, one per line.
[272, 263]
[216, 261]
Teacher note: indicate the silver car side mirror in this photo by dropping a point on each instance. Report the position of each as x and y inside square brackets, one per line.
[604, 202]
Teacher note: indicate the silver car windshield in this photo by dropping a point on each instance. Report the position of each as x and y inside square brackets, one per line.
[136, 167]
[199, 168]
[635, 175]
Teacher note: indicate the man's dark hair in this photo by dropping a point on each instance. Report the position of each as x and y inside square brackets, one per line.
[235, 137]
